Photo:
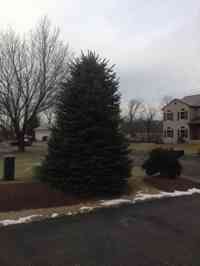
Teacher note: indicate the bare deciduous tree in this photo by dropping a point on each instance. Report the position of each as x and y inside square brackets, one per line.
[31, 70]
[165, 100]
[133, 109]
[149, 117]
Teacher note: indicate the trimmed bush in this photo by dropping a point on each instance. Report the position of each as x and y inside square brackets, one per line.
[163, 162]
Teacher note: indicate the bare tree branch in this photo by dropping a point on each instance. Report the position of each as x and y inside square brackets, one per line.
[165, 100]
[31, 70]
[134, 108]
[148, 118]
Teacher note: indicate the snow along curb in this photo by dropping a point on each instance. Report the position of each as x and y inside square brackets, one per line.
[20, 220]
[104, 203]
[144, 197]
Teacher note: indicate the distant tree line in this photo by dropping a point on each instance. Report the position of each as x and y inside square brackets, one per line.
[143, 122]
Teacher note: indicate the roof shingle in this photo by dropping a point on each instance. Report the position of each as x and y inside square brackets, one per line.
[192, 100]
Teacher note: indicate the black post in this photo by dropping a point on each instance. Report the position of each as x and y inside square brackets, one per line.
[9, 167]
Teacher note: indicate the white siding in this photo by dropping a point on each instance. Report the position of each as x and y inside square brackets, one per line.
[175, 106]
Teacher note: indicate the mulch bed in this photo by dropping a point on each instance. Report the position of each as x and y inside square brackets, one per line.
[34, 195]
[169, 184]
[19, 196]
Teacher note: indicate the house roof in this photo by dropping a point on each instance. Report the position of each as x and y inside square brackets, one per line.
[176, 99]
[192, 100]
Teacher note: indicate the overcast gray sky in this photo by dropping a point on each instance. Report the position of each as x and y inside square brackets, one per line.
[155, 44]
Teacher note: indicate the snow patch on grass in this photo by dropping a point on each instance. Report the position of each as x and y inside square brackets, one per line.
[19, 221]
[142, 197]
[145, 196]
[86, 209]
[54, 215]
[114, 202]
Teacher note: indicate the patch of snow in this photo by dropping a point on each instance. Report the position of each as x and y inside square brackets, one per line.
[138, 198]
[114, 202]
[54, 215]
[142, 196]
[19, 221]
[86, 208]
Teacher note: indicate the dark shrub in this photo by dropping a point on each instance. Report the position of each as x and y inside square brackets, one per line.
[164, 162]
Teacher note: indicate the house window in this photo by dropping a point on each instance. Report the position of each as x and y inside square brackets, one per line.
[169, 132]
[168, 115]
[183, 114]
[183, 132]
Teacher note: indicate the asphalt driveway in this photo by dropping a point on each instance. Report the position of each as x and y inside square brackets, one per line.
[159, 233]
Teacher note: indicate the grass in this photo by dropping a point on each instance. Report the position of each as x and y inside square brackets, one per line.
[190, 149]
[136, 183]
[25, 161]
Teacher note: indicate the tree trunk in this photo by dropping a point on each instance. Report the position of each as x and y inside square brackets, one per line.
[21, 144]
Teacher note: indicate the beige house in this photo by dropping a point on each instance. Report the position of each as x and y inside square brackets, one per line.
[181, 120]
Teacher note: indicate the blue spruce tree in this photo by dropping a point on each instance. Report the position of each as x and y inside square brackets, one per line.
[87, 152]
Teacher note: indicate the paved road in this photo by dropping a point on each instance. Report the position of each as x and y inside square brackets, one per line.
[158, 233]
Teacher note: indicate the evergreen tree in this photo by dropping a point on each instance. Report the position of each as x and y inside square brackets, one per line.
[87, 152]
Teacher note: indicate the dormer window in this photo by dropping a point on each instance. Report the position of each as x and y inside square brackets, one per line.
[168, 115]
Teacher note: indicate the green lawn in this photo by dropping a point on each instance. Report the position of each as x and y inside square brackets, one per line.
[26, 161]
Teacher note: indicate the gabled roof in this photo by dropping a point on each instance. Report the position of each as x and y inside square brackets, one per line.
[192, 100]
[179, 100]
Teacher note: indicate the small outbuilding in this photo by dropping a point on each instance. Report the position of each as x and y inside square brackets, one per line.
[42, 133]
